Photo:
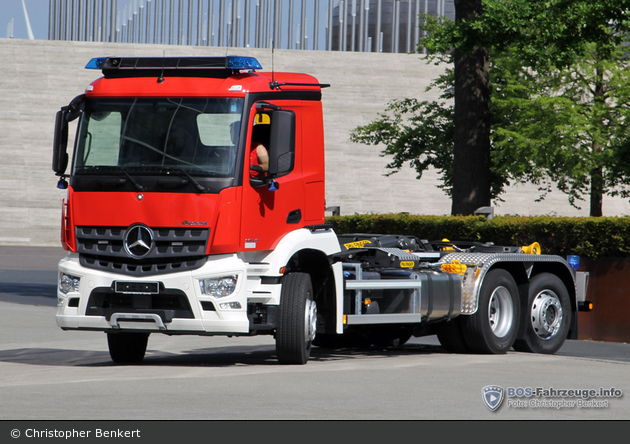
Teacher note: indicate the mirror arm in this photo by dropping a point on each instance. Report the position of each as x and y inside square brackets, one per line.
[267, 105]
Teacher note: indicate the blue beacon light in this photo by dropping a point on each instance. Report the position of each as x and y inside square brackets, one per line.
[235, 62]
[96, 63]
[231, 62]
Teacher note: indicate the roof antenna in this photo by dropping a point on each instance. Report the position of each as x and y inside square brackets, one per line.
[229, 38]
[161, 78]
[273, 84]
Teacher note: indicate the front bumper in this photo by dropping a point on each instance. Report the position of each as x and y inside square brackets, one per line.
[169, 303]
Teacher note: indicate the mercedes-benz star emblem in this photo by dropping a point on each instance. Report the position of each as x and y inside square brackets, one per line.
[138, 241]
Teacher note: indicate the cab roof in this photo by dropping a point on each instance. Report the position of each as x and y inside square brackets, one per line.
[235, 74]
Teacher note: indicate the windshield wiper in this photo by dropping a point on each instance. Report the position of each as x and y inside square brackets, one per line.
[131, 179]
[188, 176]
[109, 169]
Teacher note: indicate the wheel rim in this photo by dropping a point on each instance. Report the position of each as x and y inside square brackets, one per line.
[310, 321]
[546, 314]
[501, 312]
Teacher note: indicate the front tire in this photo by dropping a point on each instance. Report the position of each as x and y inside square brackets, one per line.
[297, 320]
[127, 348]
[547, 316]
[494, 326]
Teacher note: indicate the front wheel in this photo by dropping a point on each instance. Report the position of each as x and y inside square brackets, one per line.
[494, 326]
[297, 320]
[547, 317]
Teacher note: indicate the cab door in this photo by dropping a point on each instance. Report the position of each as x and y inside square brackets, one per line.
[271, 207]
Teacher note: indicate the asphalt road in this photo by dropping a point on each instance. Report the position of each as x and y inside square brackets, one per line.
[49, 374]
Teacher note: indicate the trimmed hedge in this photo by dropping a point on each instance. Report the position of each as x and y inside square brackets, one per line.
[585, 236]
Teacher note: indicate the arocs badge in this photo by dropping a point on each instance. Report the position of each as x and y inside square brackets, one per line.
[492, 396]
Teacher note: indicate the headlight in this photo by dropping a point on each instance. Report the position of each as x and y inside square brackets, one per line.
[68, 283]
[218, 287]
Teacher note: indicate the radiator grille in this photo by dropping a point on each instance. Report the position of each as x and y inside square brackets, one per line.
[172, 250]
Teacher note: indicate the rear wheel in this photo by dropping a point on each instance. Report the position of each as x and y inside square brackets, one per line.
[494, 326]
[127, 347]
[547, 317]
[297, 320]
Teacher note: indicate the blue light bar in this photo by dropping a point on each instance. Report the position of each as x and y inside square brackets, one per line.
[172, 66]
[236, 62]
[95, 63]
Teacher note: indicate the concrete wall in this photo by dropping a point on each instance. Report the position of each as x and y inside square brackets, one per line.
[38, 77]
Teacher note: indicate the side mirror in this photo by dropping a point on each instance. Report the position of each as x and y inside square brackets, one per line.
[60, 143]
[281, 143]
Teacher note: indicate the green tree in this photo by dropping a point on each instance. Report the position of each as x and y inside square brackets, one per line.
[542, 35]
[567, 127]
[416, 133]
[570, 125]
[420, 134]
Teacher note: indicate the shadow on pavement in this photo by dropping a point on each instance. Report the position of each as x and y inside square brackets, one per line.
[29, 287]
[30, 294]
[265, 355]
[206, 357]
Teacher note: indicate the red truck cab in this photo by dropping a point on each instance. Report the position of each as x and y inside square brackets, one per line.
[164, 148]
[168, 225]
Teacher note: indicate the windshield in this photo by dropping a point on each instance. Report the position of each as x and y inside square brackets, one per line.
[155, 136]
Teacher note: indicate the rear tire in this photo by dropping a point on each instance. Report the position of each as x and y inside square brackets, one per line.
[297, 320]
[494, 326]
[547, 316]
[127, 348]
